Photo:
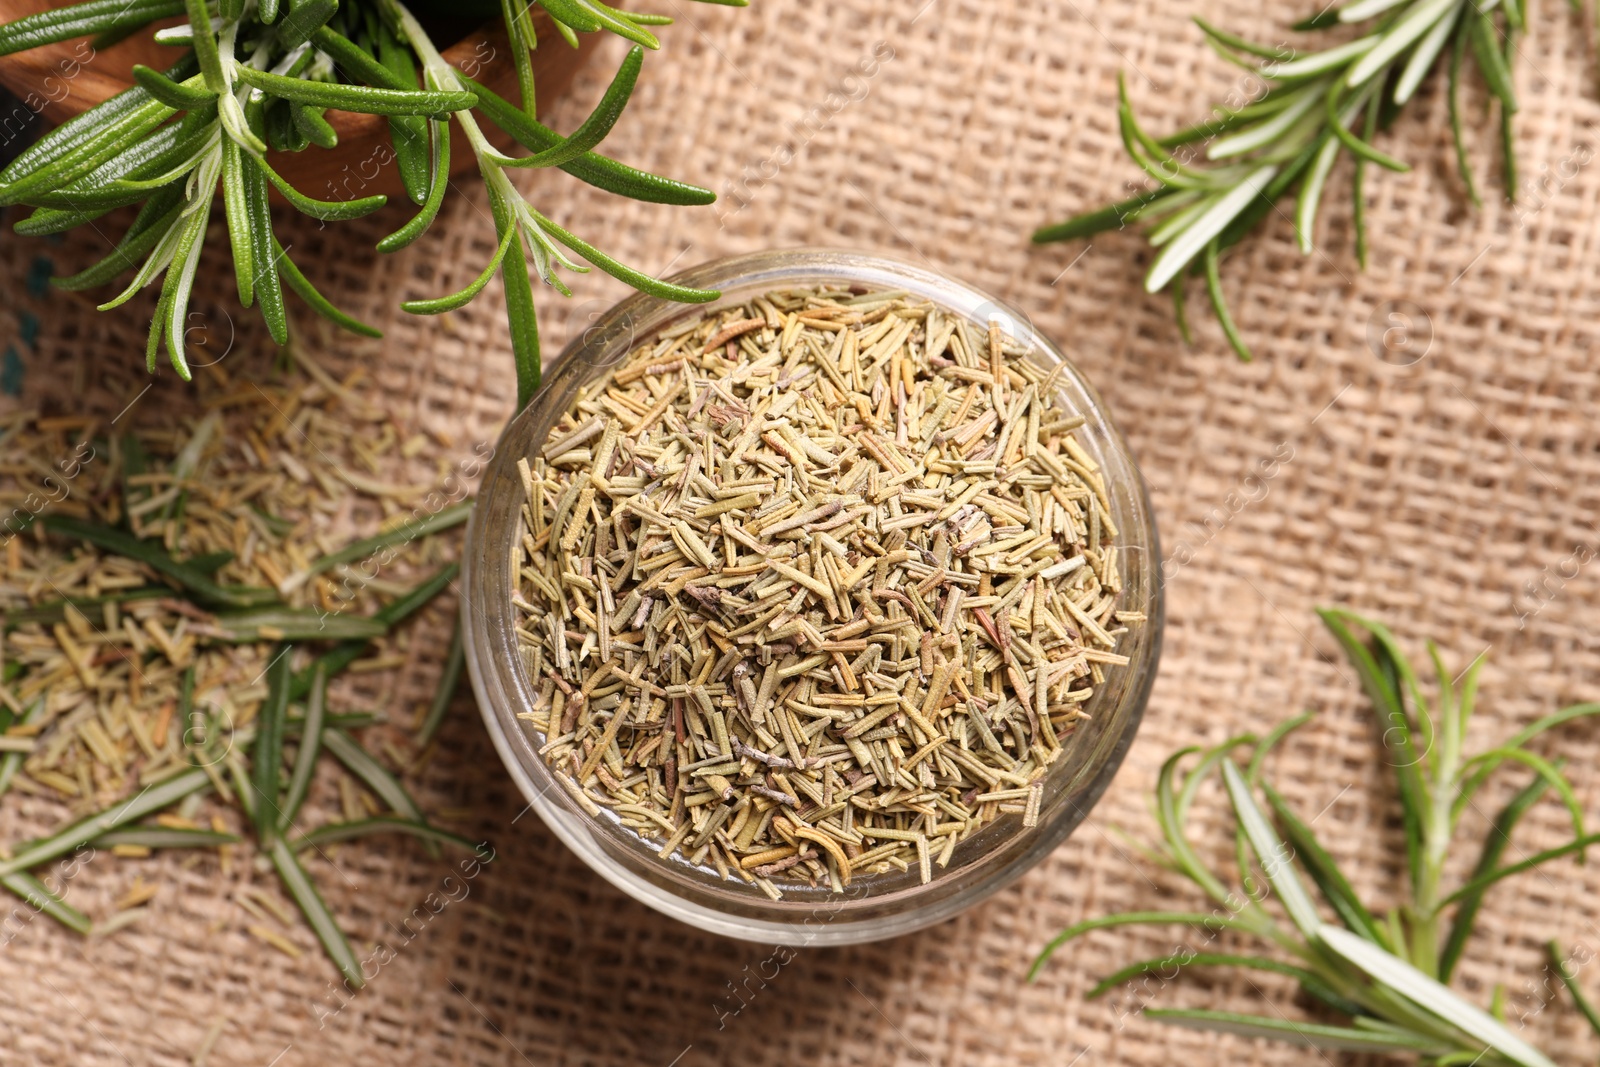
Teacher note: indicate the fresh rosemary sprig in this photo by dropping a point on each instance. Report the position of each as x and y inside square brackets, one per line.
[253, 76]
[1387, 975]
[1281, 146]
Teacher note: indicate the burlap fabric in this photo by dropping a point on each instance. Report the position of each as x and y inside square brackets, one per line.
[1434, 495]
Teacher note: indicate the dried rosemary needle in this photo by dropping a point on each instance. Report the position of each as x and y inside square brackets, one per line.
[814, 587]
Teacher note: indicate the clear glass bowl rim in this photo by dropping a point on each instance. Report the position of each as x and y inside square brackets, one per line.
[728, 909]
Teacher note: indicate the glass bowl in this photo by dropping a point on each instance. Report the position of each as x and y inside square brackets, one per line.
[873, 907]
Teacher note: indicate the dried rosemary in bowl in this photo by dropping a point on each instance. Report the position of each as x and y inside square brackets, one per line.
[815, 587]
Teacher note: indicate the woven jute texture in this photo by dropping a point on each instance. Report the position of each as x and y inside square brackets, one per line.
[1431, 455]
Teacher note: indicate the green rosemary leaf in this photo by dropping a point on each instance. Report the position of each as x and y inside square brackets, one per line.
[1405, 32]
[1528, 733]
[1147, 152]
[155, 218]
[317, 130]
[294, 624]
[1402, 978]
[355, 64]
[1219, 305]
[438, 178]
[1183, 959]
[320, 304]
[1270, 742]
[1170, 227]
[391, 615]
[1202, 131]
[449, 680]
[168, 156]
[1569, 978]
[334, 832]
[163, 313]
[1113, 217]
[195, 582]
[565, 31]
[204, 43]
[263, 253]
[174, 94]
[127, 133]
[595, 15]
[11, 762]
[1508, 141]
[1238, 44]
[519, 28]
[1189, 958]
[160, 255]
[1485, 40]
[387, 787]
[98, 122]
[365, 99]
[1275, 859]
[303, 19]
[1481, 882]
[1393, 723]
[1172, 812]
[1328, 16]
[41, 899]
[643, 282]
[1313, 1035]
[521, 315]
[1320, 63]
[403, 607]
[179, 282]
[408, 133]
[268, 10]
[299, 886]
[113, 37]
[1358, 181]
[1177, 310]
[144, 836]
[81, 20]
[599, 123]
[1266, 204]
[48, 220]
[281, 133]
[1540, 766]
[1362, 10]
[1494, 847]
[325, 210]
[402, 534]
[1200, 234]
[1351, 141]
[595, 170]
[294, 726]
[267, 758]
[148, 801]
[243, 785]
[441, 304]
[236, 204]
[305, 760]
[1422, 57]
[1305, 214]
[570, 14]
[1324, 871]
[1210, 921]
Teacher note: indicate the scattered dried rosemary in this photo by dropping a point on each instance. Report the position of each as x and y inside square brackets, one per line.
[815, 586]
[172, 610]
